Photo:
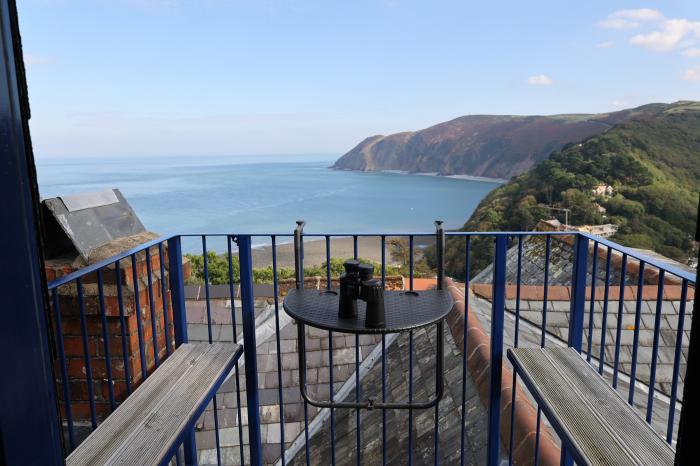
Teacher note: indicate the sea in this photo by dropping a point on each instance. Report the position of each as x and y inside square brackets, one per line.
[266, 194]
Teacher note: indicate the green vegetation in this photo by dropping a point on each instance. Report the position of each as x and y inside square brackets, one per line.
[218, 270]
[651, 161]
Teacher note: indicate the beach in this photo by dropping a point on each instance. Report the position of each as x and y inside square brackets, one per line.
[341, 247]
[315, 251]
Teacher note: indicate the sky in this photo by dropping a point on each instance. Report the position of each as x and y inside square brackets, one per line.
[111, 78]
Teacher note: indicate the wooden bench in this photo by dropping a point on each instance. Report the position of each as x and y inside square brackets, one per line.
[595, 423]
[147, 427]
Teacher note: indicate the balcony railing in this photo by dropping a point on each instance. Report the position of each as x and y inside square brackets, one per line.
[110, 368]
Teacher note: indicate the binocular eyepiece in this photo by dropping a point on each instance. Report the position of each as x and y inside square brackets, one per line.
[357, 282]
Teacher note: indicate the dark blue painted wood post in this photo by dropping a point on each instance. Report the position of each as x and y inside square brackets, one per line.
[496, 370]
[30, 431]
[177, 297]
[245, 258]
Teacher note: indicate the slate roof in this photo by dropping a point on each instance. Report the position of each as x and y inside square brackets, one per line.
[344, 373]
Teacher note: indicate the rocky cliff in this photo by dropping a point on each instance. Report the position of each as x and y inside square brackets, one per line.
[495, 146]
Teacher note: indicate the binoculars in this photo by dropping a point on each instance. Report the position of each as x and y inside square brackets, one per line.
[357, 282]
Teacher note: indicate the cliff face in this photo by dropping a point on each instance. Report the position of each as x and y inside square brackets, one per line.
[496, 146]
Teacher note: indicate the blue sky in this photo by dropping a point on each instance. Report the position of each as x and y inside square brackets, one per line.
[217, 77]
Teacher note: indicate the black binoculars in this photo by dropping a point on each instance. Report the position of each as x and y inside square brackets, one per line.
[357, 282]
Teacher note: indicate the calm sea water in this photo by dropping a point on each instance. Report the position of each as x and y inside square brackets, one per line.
[266, 194]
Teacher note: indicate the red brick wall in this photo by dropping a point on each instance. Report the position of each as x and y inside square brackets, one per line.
[72, 334]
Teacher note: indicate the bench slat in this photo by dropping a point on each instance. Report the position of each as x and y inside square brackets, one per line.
[599, 426]
[142, 429]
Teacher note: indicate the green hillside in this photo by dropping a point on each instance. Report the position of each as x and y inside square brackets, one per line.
[652, 161]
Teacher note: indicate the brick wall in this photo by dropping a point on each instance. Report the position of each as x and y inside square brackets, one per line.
[124, 365]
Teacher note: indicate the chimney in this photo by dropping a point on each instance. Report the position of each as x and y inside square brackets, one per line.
[82, 229]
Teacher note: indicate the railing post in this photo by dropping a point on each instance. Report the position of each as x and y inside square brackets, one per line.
[578, 292]
[577, 309]
[177, 299]
[440, 252]
[245, 258]
[496, 366]
[177, 290]
[299, 255]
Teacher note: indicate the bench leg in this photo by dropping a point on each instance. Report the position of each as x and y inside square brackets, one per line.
[190, 447]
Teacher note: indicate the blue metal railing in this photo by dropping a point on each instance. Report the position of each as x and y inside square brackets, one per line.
[588, 250]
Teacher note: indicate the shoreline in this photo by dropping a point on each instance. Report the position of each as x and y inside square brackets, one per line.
[368, 247]
[484, 179]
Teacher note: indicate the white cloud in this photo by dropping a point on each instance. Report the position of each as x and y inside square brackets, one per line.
[33, 60]
[692, 52]
[619, 103]
[671, 34]
[605, 45]
[617, 23]
[630, 19]
[692, 74]
[640, 14]
[540, 80]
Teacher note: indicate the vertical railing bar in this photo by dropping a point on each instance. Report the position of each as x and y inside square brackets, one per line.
[496, 360]
[410, 262]
[177, 295]
[105, 339]
[620, 310]
[328, 262]
[677, 361]
[543, 335]
[307, 442]
[232, 293]
[655, 344]
[122, 322]
[537, 436]
[635, 341]
[383, 246]
[384, 362]
[248, 314]
[358, 388]
[439, 336]
[517, 292]
[139, 323]
[331, 388]
[604, 320]
[594, 268]
[216, 430]
[546, 290]
[518, 281]
[152, 306]
[64, 370]
[205, 261]
[465, 333]
[577, 310]
[275, 285]
[164, 292]
[86, 351]
[299, 261]
[410, 357]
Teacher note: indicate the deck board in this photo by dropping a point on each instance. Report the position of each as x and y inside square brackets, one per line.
[142, 429]
[586, 411]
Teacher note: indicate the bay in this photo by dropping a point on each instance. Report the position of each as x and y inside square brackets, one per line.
[266, 194]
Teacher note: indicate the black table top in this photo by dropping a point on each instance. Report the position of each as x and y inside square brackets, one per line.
[405, 310]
